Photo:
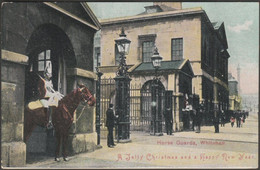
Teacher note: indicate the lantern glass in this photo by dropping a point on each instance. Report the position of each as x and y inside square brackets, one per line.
[156, 60]
[123, 44]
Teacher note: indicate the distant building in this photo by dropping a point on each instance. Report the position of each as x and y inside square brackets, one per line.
[250, 102]
[180, 35]
[234, 97]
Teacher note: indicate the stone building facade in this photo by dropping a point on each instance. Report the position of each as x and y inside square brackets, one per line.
[178, 34]
[32, 34]
[235, 100]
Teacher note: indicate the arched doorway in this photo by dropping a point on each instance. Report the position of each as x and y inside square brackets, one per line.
[152, 120]
[47, 44]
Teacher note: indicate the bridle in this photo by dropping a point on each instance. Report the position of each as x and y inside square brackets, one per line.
[83, 96]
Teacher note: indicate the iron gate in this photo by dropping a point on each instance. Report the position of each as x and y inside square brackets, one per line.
[152, 107]
[107, 95]
[140, 104]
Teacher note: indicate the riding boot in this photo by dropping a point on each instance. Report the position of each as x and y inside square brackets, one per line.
[49, 125]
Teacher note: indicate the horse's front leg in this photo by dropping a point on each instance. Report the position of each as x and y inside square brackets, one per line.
[64, 145]
[59, 139]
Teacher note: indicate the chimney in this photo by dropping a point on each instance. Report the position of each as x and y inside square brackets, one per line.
[174, 5]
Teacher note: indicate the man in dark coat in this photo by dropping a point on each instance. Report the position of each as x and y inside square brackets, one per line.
[222, 118]
[110, 122]
[238, 118]
[168, 121]
[216, 121]
[199, 113]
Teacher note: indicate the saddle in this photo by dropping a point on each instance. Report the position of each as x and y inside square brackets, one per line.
[35, 105]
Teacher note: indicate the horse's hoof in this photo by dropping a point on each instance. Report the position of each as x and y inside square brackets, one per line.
[57, 159]
[66, 158]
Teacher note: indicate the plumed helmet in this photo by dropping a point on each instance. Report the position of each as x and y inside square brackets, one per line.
[48, 70]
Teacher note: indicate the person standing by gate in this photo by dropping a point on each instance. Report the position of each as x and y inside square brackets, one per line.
[168, 121]
[199, 113]
[110, 122]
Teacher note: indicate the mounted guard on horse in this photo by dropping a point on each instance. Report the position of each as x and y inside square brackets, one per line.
[52, 106]
[49, 98]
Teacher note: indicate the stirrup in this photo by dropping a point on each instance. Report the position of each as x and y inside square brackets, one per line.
[49, 126]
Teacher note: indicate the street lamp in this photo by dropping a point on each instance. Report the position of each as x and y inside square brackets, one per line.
[123, 44]
[156, 123]
[122, 106]
[98, 124]
[156, 59]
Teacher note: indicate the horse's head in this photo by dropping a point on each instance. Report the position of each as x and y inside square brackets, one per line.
[86, 95]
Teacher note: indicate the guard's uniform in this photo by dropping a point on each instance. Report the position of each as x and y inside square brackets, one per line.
[49, 97]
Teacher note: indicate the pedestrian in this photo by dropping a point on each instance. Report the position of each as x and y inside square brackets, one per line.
[110, 122]
[244, 116]
[199, 113]
[192, 118]
[232, 120]
[168, 121]
[238, 119]
[222, 118]
[216, 122]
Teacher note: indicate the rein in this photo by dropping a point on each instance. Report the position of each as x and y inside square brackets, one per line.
[89, 97]
[81, 112]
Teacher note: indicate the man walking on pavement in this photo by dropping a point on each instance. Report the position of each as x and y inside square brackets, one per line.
[110, 122]
[216, 122]
[238, 118]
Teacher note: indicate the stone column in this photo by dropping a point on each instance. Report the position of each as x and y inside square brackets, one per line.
[12, 111]
[83, 137]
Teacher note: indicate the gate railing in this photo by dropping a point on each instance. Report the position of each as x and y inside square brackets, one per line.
[135, 106]
[138, 102]
[107, 91]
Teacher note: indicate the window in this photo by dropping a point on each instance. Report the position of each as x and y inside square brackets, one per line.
[43, 59]
[177, 49]
[207, 52]
[146, 47]
[147, 50]
[97, 57]
[117, 56]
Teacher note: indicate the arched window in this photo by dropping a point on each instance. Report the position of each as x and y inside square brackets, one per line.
[43, 60]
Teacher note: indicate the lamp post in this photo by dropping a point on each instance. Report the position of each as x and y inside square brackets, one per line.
[156, 123]
[98, 124]
[122, 79]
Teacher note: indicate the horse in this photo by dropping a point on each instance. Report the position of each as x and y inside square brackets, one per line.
[62, 117]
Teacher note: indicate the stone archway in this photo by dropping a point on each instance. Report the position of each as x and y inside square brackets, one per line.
[48, 43]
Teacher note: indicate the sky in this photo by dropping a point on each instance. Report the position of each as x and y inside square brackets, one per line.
[241, 20]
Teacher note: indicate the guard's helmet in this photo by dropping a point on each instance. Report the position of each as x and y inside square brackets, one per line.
[48, 70]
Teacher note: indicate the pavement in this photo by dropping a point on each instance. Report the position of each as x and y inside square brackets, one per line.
[231, 148]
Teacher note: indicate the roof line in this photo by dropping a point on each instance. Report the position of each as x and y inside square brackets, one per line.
[50, 4]
[150, 16]
[91, 14]
[134, 67]
[182, 64]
